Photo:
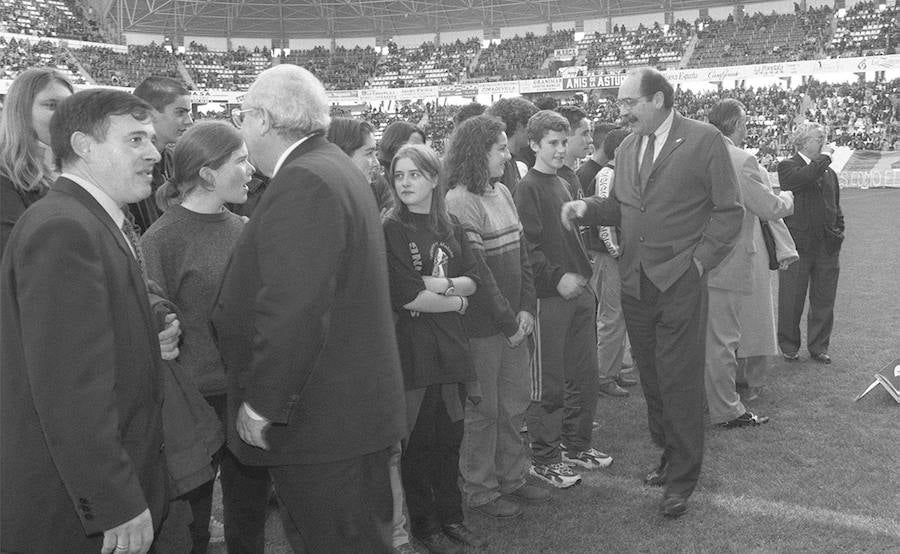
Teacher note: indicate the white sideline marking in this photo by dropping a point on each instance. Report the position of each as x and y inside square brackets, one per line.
[749, 506]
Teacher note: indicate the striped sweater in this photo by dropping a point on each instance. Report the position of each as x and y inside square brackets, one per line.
[495, 234]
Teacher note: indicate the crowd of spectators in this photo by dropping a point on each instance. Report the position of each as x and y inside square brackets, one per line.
[656, 46]
[862, 116]
[48, 18]
[867, 29]
[426, 65]
[339, 69]
[761, 38]
[520, 57]
[108, 67]
[225, 70]
[18, 55]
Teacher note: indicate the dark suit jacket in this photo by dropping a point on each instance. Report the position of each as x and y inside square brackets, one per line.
[81, 449]
[303, 317]
[817, 199]
[688, 208]
[13, 203]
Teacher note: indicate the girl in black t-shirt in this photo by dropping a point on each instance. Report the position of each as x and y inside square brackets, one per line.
[432, 272]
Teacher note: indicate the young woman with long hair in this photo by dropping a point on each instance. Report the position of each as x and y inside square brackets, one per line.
[185, 252]
[27, 167]
[432, 274]
[494, 459]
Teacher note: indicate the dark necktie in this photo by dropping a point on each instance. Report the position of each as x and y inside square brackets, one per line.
[647, 161]
[132, 235]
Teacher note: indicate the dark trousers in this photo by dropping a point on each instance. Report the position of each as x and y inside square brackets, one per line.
[668, 331]
[430, 467]
[245, 499]
[343, 506]
[816, 271]
[564, 377]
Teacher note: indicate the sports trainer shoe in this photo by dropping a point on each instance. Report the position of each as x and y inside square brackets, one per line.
[588, 459]
[559, 475]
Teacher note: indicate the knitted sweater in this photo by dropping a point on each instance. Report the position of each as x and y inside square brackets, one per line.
[186, 253]
[495, 235]
[552, 249]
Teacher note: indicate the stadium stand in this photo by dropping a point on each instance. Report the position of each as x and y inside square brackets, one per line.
[48, 18]
[127, 70]
[427, 65]
[18, 55]
[520, 57]
[867, 29]
[659, 46]
[343, 68]
[231, 70]
[762, 38]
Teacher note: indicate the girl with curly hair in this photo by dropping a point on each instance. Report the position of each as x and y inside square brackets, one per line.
[493, 458]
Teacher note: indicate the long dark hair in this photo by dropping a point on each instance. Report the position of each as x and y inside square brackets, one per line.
[395, 135]
[427, 161]
[466, 159]
[21, 159]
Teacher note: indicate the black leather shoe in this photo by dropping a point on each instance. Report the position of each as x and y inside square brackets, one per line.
[746, 419]
[658, 475]
[791, 356]
[822, 358]
[439, 543]
[673, 505]
[625, 380]
[462, 534]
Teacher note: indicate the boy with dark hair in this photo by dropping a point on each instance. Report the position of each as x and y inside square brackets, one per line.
[171, 115]
[515, 113]
[564, 331]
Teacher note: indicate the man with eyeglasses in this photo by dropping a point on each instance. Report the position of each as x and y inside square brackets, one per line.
[675, 196]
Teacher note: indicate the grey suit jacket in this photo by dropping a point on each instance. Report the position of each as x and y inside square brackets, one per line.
[735, 272]
[688, 208]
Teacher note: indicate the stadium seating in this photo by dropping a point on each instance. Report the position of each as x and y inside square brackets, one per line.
[520, 57]
[762, 38]
[657, 46]
[427, 65]
[343, 68]
[17, 56]
[230, 70]
[48, 18]
[867, 29]
[127, 70]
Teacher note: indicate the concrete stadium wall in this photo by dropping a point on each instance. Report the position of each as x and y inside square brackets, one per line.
[522, 30]
[251, 43]
[362, 42]
[412, 41]
[308, 43]
[213, 43]
[143, 39]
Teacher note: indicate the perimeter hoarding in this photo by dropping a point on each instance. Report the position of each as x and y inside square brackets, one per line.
[587, 82]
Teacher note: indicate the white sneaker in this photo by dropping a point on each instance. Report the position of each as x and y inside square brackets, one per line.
[559, 475]
[588, 459]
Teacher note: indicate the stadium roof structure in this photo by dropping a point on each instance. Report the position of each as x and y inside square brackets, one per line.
[365, 18]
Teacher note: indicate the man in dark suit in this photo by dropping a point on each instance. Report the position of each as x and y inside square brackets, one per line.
[81, 457]
[304, 323]
[817, 227]
[675, 196]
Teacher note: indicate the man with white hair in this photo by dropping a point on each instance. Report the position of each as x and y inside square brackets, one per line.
[304, 324]
[817, 227]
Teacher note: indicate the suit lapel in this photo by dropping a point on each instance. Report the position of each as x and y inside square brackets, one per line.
[673, 141]
[84, 197]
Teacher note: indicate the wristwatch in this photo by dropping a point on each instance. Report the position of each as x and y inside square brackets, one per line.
[451, 290]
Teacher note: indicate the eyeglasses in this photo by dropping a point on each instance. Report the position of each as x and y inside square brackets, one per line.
[237, 116]
[629, 102]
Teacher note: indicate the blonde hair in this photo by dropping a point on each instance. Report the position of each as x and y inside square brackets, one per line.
[21, 159]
